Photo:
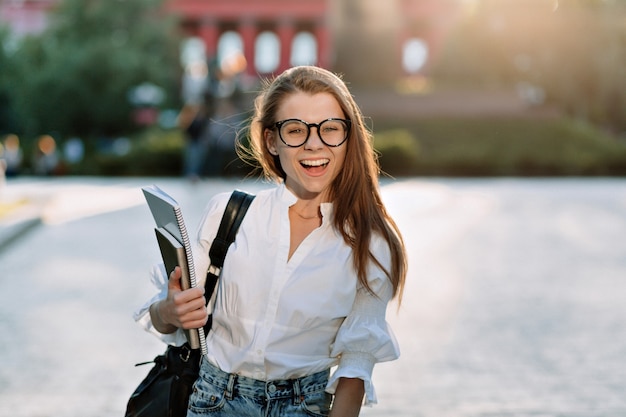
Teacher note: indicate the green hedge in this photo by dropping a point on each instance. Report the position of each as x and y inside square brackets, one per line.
[516, 147]
[154, 152]
[424, 147]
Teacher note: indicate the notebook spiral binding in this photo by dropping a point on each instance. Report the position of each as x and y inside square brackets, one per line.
[192, 269]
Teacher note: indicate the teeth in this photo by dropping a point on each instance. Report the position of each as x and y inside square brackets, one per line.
[315, 163]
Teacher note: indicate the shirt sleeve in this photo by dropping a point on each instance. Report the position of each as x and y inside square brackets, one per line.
[365, 338]
[142, 314]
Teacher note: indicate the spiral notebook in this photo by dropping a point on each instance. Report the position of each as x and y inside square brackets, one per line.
[175, 247]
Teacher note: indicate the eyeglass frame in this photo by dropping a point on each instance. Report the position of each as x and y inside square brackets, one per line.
[278, 125]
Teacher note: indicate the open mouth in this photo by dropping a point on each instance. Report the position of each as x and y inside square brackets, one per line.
[314, 164]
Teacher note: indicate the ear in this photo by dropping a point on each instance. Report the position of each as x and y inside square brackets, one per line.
[270, 142]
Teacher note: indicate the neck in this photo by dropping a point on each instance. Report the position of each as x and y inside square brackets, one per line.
[306, 216]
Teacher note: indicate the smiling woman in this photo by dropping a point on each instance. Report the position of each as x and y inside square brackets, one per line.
[305, 286]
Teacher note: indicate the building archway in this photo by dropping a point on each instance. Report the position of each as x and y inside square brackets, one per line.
[267, 52]
[414, 55]
[252, 20]
[304, 49]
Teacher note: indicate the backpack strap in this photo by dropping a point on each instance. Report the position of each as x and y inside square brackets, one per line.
[231, 220]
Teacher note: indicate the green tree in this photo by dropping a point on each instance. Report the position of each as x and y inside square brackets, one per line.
[75, 77]
[8, 118]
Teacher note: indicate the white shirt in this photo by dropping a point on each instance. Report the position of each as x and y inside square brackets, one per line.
[280, 318]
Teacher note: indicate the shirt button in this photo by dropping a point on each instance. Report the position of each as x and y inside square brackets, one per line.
[259, 352]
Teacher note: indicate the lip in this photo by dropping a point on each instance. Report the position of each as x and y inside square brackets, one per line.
[314, 162]
[314, 166]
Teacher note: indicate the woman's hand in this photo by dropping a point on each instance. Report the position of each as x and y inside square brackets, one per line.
[180, 309]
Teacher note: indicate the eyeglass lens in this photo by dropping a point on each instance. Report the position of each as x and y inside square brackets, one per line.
[296, 132]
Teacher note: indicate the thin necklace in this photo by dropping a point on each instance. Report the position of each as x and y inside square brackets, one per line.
[317, 216]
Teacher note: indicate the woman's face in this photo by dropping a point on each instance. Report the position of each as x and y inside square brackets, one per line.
[312, 167]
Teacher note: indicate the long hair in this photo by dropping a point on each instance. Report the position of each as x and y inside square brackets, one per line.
[358, 207]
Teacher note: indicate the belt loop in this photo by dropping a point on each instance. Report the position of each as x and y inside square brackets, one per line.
[230, 387]
[297, 396]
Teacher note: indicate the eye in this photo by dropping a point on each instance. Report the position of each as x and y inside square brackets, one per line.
[294, 130]
[333, 126]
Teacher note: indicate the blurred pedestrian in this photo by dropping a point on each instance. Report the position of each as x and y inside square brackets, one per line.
[194, 120]
[222, 132]
[74, 151]
[46, 159]
[12, 156]
[306, 284]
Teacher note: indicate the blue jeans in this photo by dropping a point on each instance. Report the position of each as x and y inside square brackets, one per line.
[217, 393]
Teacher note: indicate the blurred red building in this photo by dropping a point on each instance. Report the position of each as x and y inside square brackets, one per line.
[430, 22]
[26, 16]
[276, 34]
[287, 20]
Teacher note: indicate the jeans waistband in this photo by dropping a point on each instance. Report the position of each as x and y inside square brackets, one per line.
[234, 384]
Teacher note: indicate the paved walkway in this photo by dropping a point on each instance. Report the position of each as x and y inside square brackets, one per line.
[515, 302]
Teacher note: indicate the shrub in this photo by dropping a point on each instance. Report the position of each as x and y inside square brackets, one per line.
[501, 147]
[433, 147]
[399, 151]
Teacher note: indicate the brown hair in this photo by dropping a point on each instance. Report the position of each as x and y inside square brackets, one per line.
[358, 207]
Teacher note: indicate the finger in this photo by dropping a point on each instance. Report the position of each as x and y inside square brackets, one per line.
[184, 307]
[194, 319]
[187, 296]
[184, 314]
[174, 279]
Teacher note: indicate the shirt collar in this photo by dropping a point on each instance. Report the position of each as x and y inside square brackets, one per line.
[289, 198]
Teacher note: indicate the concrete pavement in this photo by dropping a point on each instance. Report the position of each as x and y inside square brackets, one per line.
[19, 212]
[514, 306]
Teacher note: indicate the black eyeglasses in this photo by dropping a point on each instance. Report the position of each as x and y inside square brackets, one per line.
[295, 132]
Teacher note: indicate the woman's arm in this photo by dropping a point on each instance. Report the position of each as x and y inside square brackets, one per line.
[184, 309]
[348, 398]
[157, 320]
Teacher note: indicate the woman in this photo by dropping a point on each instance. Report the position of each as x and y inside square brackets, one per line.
[306, 284]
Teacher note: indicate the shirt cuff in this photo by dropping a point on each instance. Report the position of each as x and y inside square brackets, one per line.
[143, 318]
[355, 365]
[142, 314]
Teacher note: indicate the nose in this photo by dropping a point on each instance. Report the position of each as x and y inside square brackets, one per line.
[314, 141]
